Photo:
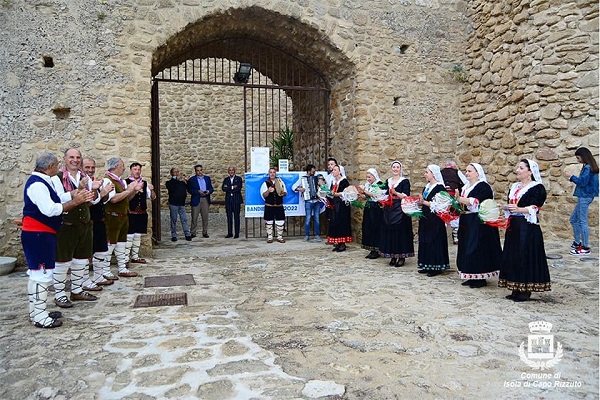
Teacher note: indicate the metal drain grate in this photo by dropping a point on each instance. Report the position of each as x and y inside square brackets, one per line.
[160, 300]
[166, 281]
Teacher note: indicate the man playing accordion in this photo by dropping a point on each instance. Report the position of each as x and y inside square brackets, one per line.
[308, 186]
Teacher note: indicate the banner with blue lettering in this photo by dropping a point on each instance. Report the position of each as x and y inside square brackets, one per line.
[255, 204]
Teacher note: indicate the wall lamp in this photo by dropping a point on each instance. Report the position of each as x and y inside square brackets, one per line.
[243, 73]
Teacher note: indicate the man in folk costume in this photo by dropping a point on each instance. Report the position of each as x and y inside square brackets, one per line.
[74, 248]
[138, 214]
[42, 217]
[117, 219]
[100, 258]
[454, 180]
[273, 191]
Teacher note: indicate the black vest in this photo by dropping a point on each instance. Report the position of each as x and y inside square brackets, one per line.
[138, 202]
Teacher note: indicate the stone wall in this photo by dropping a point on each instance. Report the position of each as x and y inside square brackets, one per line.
[532, 93]
[79, 74]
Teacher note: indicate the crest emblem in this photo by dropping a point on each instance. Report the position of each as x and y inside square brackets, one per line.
[541, 346]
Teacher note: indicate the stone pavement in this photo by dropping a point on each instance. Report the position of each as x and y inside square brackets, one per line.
[297, 321]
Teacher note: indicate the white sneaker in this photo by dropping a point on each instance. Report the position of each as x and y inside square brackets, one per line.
[305, 238]
[580, 251]
[317, 239]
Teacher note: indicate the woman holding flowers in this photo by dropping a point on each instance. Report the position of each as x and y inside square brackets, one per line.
[372, 213]
[479, 252]
[524, 264]
[433, 256]
[396, 240]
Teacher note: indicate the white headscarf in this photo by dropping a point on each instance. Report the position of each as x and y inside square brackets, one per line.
[482, 178]
[535, 170]
[373, 172]
[401, 177]
[479, 170]
[437, 174]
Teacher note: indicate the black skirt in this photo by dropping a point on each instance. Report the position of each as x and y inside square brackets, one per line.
[524, 264]
[371, 225]
[396, 238]
[433, 242]
[479, 253]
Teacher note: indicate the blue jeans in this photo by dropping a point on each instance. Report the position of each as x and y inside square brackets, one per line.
[312, 212]
[174, 212]
[579, 221]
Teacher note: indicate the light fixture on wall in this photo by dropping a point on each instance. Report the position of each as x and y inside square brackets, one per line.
[243, 73]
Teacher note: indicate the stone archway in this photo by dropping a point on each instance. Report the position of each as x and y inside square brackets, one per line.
[282, 49]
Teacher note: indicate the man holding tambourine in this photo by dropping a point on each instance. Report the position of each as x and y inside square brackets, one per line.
[273, 191]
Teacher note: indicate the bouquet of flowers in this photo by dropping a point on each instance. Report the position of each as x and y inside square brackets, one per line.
[489, 213]
[445, 206]
[410, 206]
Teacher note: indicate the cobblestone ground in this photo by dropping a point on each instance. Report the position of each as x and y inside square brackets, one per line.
[297, 321]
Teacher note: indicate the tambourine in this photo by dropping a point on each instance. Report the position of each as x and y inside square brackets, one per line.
[279, 187]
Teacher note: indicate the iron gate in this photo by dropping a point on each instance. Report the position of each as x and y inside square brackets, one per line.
[280, 92]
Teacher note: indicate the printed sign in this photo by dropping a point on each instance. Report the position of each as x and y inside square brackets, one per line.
[255, 204]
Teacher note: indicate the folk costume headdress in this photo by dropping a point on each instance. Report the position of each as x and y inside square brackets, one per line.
[373, 172]
[517, 190]
[439, 180]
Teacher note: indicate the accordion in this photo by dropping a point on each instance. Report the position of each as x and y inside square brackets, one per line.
[311, 186]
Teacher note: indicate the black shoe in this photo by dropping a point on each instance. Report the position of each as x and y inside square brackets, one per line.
[433, 273]
[400, 262]
[193, 235]
[188, 238]
[236, 236]
[467, 282]
[392, 261]
[423, 271]
[173, 239]
[522, 296]
[336, 247]
[512, 295]
[342, 247]
[372, 254]
[479, 283]
[205, 235]
[55, 314]
[229, 235]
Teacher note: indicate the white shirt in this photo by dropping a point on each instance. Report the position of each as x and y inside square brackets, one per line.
[39, 195]
[263, 189]
[66, 196]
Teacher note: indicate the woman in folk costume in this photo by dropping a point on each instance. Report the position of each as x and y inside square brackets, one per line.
[338, 214]
[396, 240]
[524, 266]
[479, 252]
[372, 214]
[433, 256]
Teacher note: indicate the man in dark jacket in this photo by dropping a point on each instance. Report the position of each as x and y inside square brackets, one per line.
[200, 188]
[232, 186]
[177, 189]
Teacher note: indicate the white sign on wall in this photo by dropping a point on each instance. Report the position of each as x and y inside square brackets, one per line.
[283, 165]
[259, 159]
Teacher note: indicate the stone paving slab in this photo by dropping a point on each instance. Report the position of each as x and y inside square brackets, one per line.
[297, 321]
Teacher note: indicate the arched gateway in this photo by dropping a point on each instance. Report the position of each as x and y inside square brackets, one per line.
[237, 80]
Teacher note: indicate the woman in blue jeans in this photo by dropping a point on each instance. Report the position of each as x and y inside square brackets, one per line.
[585, 190]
